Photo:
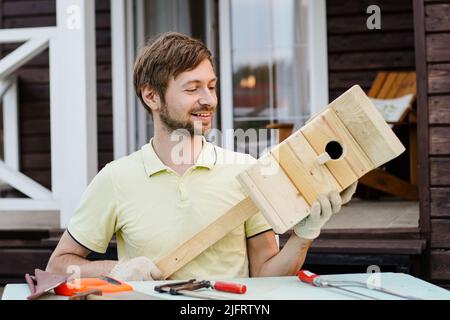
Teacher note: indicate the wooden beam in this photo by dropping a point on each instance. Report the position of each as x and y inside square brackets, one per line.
[11, 125]
[73, 97]
[24, 34]
[383, 181]
[22, 55]
[207, 237]
[23, 183]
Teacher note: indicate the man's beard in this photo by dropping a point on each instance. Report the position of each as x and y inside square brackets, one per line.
[173, 124]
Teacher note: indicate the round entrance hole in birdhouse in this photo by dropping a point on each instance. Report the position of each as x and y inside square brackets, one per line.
[334, 150]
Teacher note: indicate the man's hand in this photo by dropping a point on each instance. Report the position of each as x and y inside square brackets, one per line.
[321, 211]
[136, 269]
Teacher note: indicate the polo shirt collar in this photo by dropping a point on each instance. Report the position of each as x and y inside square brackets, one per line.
[152, 163]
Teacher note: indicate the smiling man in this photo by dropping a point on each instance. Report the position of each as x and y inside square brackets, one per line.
[160, 196]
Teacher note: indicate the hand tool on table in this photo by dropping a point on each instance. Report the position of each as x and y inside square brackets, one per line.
[104, 283]
[42, 282]
[101, 288]
[317, 281]
[187, 288]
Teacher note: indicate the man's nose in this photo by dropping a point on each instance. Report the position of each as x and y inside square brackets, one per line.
[208, 98]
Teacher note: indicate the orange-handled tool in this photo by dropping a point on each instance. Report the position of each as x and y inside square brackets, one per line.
[104, 284]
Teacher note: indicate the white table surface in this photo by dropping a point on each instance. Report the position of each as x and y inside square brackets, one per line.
[287, 288]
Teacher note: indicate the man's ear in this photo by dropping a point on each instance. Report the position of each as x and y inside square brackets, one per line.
[150, 97]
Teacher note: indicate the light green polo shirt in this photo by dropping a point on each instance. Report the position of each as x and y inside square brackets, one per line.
[152, 210]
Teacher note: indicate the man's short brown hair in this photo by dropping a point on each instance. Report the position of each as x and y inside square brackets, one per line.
[167, 56]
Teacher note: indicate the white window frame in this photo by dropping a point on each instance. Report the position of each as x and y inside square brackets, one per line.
[317, 64]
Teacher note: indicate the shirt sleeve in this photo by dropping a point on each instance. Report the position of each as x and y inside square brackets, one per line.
[255, 225]
[95, 221]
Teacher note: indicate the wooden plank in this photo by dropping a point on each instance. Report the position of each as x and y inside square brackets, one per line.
[436, 17]
[299, 162]
[438, 49]
[279, 192]
[367, 126]
[207, 237]
[371, 60]
[438, 75]
[388, 83]
[403, 40]
[439, 140]
[30, 21]
[353, 24]
[439, 109]
[23, 260]
[440, 171]
[260, 200]
[34, 161]
[377, 84]
[383, 181]
[41, 176]
[413, 142]
[338, 7]
[398, 86]
[13, 220]
[102, 21]
[422, 116]
[18, 8]
[440, 265]
[345, 79]
[440, 204]
[408, 85]
[440, 233]
[369, 246]
[327, 127]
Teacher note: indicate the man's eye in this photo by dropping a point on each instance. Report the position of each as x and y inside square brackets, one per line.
[212, 88]
[191, 90]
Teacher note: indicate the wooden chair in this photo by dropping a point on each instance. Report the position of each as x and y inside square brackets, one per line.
[391, 85]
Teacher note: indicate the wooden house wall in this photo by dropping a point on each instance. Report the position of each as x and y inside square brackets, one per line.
[355, 53]
[437, 69]
[34, 107]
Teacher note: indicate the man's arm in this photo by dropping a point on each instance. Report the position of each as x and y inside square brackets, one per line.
[69, 253]
[266, 260]
[69, 256]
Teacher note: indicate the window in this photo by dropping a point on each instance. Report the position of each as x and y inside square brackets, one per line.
[269, 64]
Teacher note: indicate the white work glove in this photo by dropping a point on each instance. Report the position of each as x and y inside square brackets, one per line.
[136, 269]
[348, 193]
[321, 212]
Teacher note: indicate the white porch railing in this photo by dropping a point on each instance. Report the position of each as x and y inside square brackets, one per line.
[9, 167]
[73, 111]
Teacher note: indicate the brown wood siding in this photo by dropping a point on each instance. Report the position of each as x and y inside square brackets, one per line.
[34, 93]
[437, 34]
[355, 54]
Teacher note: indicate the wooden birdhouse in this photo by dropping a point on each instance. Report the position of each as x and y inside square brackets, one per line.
[334, 149]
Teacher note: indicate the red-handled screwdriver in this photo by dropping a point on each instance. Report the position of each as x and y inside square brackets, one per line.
[229, 287]
[315, 280]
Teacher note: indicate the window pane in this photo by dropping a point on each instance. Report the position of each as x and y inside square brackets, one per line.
[283, 23]
[290, 85]
[269, 57]
[251, 82]
[250, 24]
